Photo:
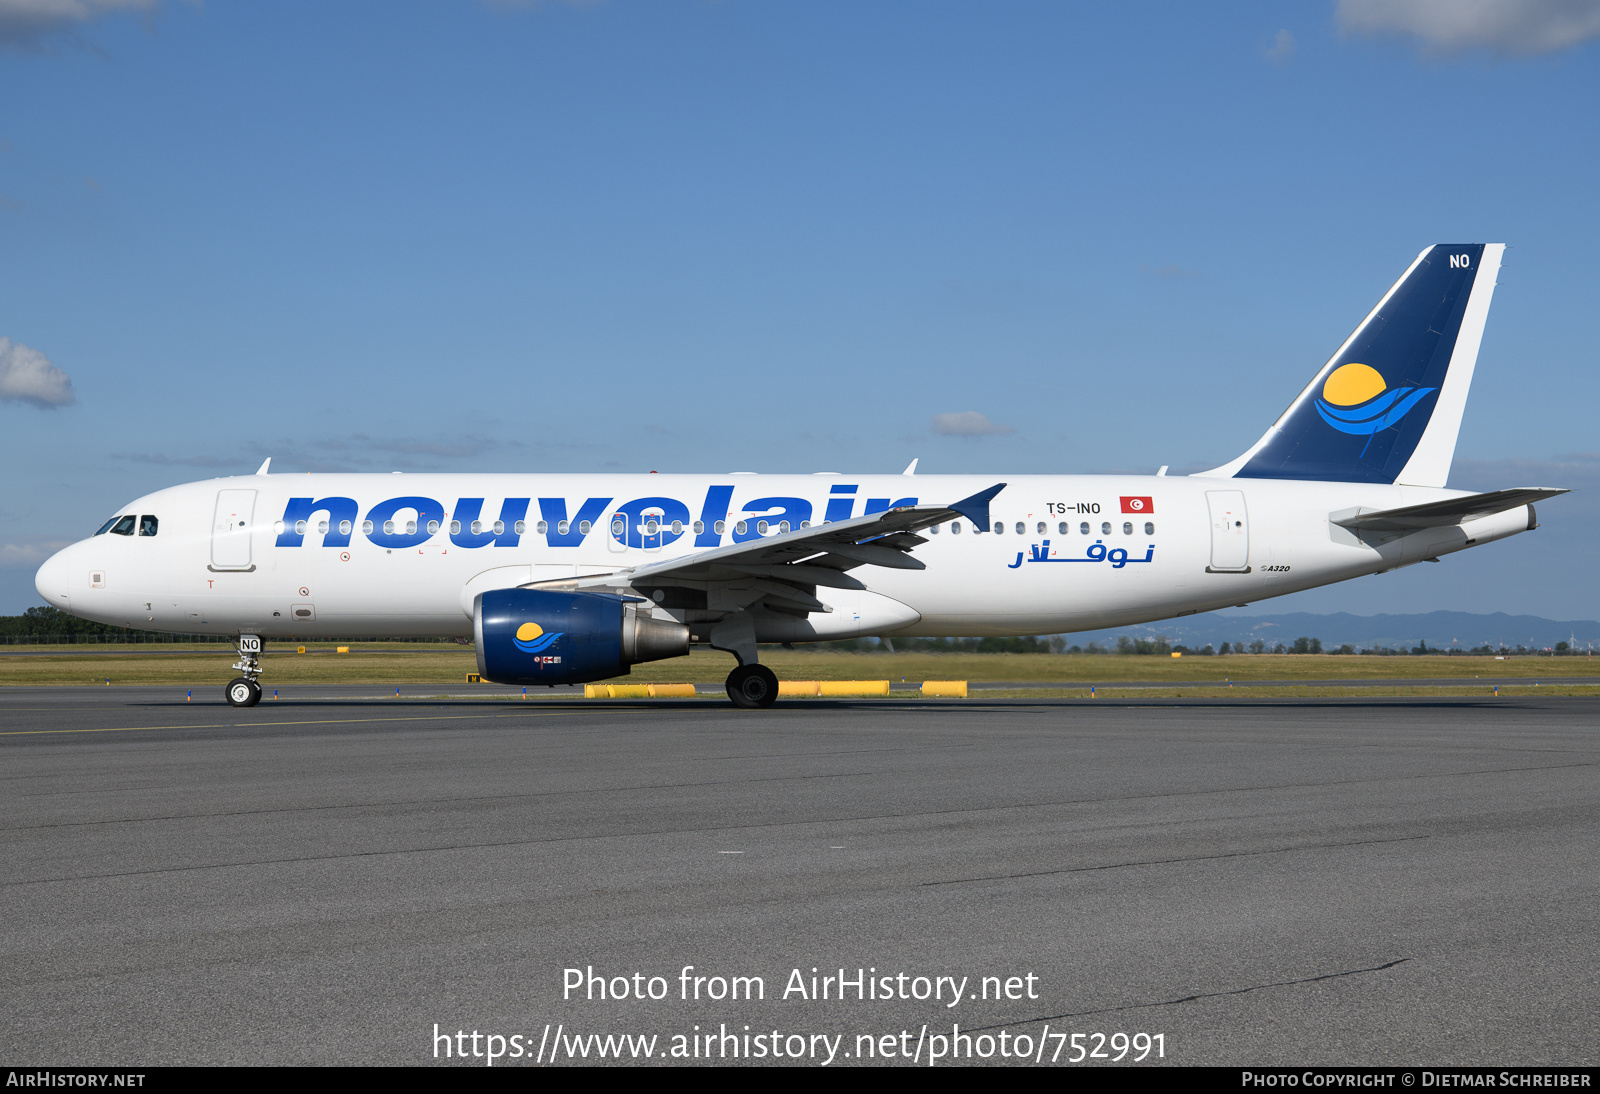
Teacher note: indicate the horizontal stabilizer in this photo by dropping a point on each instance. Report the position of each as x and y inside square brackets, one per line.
[1442, 514]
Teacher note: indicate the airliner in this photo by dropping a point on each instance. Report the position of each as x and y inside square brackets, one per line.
[561, 579]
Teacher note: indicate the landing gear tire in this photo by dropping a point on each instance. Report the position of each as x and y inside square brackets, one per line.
[243, 693]
[753, 687]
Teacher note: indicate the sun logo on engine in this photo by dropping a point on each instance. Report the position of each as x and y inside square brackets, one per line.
[530, 638]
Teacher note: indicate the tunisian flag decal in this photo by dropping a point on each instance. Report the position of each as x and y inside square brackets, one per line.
[1138, 505]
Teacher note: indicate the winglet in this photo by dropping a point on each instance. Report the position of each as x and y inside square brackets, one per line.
[976, 508]
[266, 463]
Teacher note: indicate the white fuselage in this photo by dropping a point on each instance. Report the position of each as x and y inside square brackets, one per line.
[220, 562]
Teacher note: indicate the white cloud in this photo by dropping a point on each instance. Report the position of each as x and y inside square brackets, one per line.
[27, 376]
[1450, 26]
[26, 556]
[23, 21]
[968, 423]
[1281, 49]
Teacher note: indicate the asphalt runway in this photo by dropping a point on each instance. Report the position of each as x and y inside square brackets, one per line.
[326, 880]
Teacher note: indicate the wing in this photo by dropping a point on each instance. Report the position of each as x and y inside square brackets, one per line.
[783, 571]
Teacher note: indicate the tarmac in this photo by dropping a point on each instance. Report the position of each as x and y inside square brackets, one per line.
[345, 877]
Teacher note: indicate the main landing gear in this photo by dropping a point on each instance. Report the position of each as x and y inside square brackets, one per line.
[245, 691]
[752, 686]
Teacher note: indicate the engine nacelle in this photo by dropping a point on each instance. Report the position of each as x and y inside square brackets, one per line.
[545, 636]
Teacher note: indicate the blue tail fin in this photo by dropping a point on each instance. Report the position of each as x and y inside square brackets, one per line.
[1387, 406]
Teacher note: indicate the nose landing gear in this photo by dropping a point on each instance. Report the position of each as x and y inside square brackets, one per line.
[245, 691]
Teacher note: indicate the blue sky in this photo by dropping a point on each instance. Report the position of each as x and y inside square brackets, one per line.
[693, 236]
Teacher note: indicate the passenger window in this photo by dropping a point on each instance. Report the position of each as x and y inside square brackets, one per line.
[322, 528]
[299, 527]
[411, 527]
[699, 527]
[677, 527]
[1084, 528]
[124, 526]
[719, 527]
[955, 528]
[499, 527]
[1042, 527]
[618, 527]
[1022, 529]
[520, 527]
[805, 524]
[433, 527]
[455, 528]
[583, 527]
[562, 527]
[1064, 527]
[1105, 528]
[344, 528]
[366, 527]
[477, 527]
[999, 528]
[1149, 528]
[761, 527]
[147, 526]
[934, 529]
[106, 527]
[541, 528]
[1127, 527]
[738, 529]
[783, 526]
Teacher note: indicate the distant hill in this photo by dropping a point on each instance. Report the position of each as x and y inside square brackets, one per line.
[1439, 629]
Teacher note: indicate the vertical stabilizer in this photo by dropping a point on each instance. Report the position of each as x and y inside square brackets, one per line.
[1387, 406]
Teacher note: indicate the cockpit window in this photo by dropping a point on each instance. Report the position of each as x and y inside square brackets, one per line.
[148, 525]
[106, 527]
[124, 526]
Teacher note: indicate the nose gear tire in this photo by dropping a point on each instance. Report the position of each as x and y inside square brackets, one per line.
[243, 693]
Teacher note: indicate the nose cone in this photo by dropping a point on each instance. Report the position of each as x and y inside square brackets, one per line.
[52, 580]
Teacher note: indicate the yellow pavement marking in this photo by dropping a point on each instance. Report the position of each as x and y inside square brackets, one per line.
[304, 722]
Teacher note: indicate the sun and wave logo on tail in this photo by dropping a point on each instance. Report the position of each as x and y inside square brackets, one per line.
[1356, 399]
[531, 638]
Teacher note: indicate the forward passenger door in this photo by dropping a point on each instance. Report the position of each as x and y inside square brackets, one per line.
[230, 530]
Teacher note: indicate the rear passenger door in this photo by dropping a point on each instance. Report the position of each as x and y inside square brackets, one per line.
[1230, 532]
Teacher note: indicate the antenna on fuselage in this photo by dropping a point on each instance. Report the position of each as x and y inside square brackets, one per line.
[266, 463]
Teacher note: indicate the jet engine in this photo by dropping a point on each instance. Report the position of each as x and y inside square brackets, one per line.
[545, 636]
